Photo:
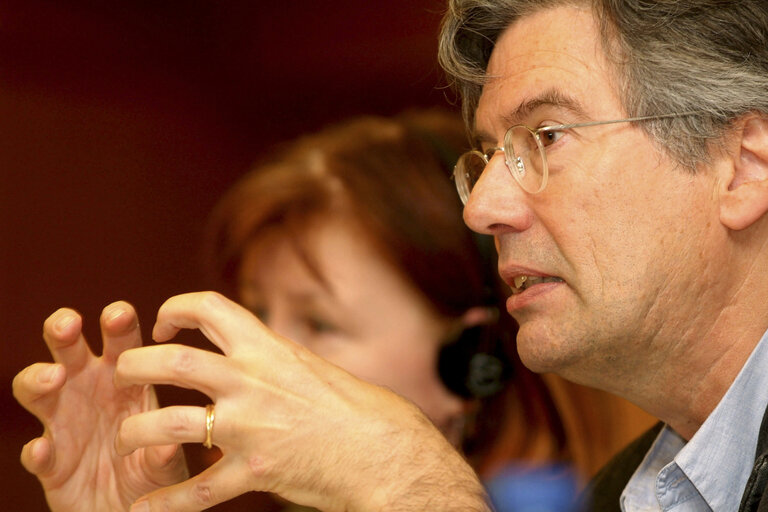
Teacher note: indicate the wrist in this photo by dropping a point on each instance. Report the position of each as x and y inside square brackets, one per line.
[422, 471]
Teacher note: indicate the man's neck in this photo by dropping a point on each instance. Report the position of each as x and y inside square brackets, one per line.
[702, 362]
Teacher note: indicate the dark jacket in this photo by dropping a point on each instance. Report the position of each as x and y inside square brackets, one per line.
[604, 491]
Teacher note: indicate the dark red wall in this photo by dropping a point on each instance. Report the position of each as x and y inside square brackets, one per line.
[120, 125]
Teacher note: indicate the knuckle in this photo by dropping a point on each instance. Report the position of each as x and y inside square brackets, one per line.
[178, 422]
[211, 301]
[258, 466]
[202, 493]
[182, 360]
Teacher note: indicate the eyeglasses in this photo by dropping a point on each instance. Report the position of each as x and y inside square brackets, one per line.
[525, 154]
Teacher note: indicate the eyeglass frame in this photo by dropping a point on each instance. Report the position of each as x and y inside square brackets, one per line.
[461, 184]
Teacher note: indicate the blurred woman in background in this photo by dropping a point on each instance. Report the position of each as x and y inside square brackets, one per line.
[351, 242]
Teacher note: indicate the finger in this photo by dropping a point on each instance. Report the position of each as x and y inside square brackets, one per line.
[170, 425]
[119, 329]
[223, 481]
[35, 387]
[168, 456]
[37, 456]
[179, 365]
[63, 334]
[222, 321]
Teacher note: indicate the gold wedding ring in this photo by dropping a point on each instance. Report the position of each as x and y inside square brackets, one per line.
[209, 417]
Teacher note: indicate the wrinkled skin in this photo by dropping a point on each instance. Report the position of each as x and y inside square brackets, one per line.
[82, 410]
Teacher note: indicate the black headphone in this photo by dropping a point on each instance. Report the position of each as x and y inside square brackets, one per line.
[469, 371]
[473, 364]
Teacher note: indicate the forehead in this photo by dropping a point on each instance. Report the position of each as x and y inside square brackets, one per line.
[552, 53]
[349, 273]
[331, 253]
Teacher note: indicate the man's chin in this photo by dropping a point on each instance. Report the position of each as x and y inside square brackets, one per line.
[544, 353]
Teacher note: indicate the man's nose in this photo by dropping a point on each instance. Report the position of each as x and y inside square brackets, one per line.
[497, 202]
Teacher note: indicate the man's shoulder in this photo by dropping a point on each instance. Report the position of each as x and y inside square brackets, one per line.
[604, 490]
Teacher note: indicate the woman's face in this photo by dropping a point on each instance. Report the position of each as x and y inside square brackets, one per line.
[365, 318]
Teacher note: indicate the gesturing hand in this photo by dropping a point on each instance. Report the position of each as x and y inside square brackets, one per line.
[287, 422]
[81, 411]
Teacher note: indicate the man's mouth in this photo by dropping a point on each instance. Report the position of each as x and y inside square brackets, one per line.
[522, 283]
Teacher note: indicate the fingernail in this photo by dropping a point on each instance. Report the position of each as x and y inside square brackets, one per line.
[140, 506]
[63, 322]
[115, 313]
[119, 448]
[38, 450]
[48, 374]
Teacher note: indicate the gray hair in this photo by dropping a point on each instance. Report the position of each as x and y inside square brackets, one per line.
[707, 56]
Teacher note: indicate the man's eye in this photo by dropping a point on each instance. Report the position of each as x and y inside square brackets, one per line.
[549, 137]
[489, 152]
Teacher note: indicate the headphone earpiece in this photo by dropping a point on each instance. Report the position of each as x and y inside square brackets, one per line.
[474, 364]
[469, 371]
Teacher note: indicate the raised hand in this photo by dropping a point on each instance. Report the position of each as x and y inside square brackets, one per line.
[287, 422]
[81, 410]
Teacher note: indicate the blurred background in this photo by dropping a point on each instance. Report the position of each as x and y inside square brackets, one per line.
[121, 123]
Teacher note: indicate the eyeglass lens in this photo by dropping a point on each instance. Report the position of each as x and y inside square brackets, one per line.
[523, 156]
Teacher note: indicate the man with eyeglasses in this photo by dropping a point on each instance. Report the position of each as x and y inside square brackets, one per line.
[621, 163]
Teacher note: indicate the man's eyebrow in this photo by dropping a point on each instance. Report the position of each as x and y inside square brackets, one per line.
[549, 98]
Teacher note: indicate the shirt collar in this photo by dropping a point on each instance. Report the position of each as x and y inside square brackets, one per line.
[719, 457]
[718, 460]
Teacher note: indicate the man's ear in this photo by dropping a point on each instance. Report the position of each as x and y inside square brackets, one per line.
[744, 191]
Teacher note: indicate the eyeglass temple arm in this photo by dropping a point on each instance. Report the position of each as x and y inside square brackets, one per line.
[614, 121]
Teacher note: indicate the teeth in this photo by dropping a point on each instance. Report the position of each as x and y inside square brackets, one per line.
[522, 283]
